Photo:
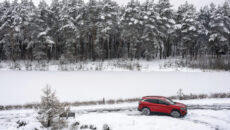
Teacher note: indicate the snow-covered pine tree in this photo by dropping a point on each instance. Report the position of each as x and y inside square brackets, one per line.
[107, 29]
[165, 26]
[104, 30]
[190, 29]
[150, 32]
[204, 19]
[217, 40]
[54, 23]
[91, 21]
[130, 24]
[226, 13]
[68, 30]
[10, 24]
[51, 109]
[43, 46]
[82, 29]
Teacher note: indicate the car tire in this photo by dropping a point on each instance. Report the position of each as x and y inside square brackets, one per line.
[175, 114]
[145, 111]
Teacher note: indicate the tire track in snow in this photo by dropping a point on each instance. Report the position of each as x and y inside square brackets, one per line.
[204, 123]
[190, 117]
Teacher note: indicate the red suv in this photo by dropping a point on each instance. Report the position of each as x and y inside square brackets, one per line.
[161, 105]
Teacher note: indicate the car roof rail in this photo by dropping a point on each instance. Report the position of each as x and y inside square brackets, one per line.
[154, 96]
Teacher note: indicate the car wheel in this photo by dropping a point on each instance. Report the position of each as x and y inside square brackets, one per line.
[175, 114]
[145, 111]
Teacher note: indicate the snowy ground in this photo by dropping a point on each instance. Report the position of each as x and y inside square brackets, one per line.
[19, 87]
[197, 119]
[114, 82]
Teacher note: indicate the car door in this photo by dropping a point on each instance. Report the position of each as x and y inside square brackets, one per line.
[163, 107]
[152, 104]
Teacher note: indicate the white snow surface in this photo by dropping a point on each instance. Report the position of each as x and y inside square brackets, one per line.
[195, 120]
[19, 87]
[129, 120]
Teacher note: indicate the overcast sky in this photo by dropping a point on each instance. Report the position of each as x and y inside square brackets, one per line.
[175, 3]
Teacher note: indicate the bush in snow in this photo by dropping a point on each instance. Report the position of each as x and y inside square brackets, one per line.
[220, 95]
[28, 65]
[99, 66]
[91, 127]
[15, 66]
[106, 127]
[50, 110]
[111, 101]
[74, 126]
[1, 108]
[21, 123]
[41, 66]
[84, 127]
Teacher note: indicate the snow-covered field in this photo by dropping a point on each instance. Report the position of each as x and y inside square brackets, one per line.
[19, 87]
[113, 81]
[199, 119]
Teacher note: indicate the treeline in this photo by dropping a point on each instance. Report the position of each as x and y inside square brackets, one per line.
[98, 30]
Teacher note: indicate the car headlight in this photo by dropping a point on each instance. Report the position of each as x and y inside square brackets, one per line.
[183, 108]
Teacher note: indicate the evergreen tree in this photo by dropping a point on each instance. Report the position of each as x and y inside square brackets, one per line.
[100, 29]
[69, 30]
[217, 40]
[130, 24]
[165, 26]
[150, 33]
[108, 29]
[50, 110]
[190, 29]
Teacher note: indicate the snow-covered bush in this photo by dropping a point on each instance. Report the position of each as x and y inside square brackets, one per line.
[91, 127]
[41, 66]
[21, 123]
[203, 62]
[15, 66]
[28, 66]
[106, 127]
[74, 126]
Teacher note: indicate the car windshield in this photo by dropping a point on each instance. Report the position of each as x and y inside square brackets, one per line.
[170, 101]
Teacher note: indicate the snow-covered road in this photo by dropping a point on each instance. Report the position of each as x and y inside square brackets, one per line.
[127, 120]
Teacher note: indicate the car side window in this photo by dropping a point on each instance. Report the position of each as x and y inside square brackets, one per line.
[163, 102]
[152, 101]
